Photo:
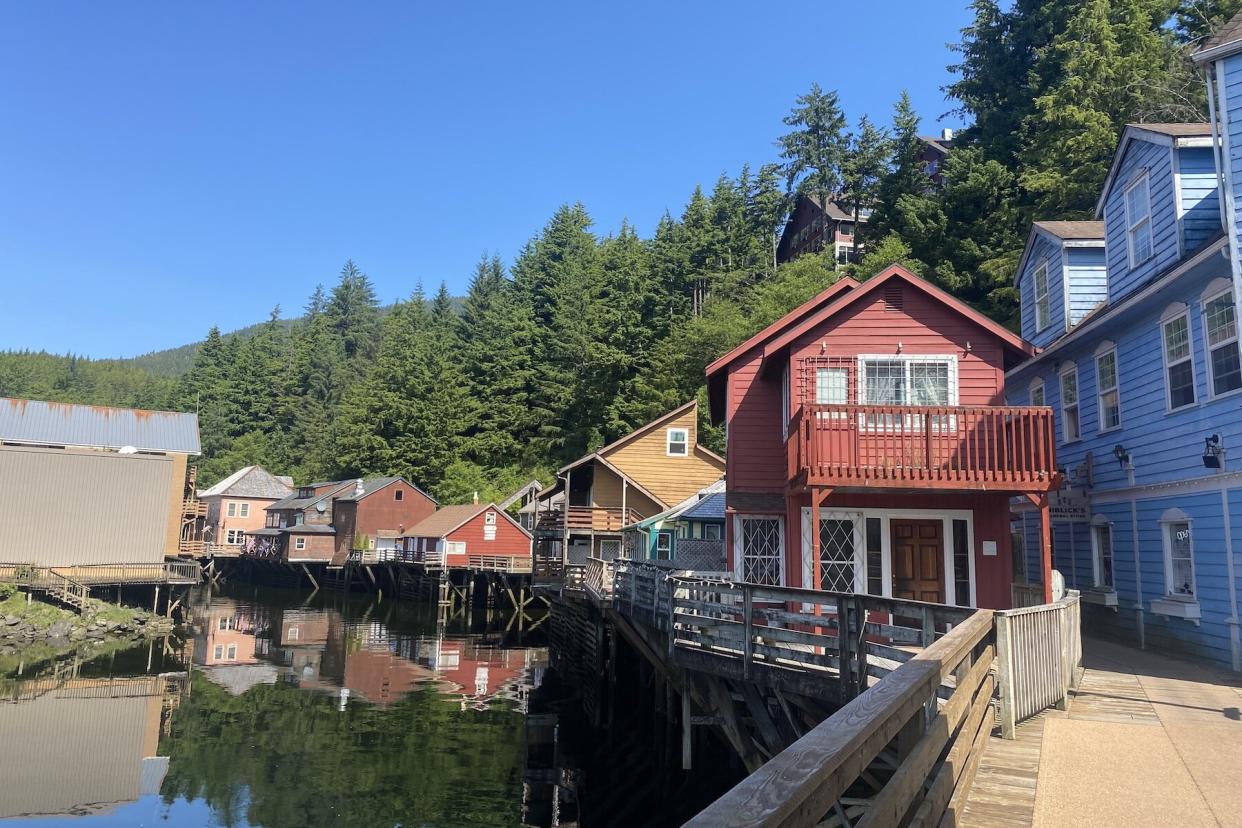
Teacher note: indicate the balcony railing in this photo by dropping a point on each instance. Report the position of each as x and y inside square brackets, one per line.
[587, 519]
[996, 448]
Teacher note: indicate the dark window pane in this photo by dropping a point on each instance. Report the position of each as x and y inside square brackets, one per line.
[875, 567]
[1226, 369]
[1181, 384]
[961, 564]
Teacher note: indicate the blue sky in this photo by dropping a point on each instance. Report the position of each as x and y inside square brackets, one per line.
[167, 166]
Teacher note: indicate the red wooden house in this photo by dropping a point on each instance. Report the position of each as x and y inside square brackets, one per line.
[469, 536]
[874, 412]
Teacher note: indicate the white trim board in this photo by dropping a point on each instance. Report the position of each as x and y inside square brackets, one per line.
[859, 516]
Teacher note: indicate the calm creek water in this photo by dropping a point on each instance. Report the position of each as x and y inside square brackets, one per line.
[278, 709]
[275, 709]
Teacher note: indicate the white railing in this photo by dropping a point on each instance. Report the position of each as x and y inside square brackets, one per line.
[1038, 655]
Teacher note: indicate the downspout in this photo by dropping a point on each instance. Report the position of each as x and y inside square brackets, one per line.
[1224, 178]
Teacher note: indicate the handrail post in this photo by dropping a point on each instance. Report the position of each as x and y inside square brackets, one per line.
[747, 631]
[1004, 675]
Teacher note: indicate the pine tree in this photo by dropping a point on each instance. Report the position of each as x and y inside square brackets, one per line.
[814, 149]
[906, 175]
[866, 162]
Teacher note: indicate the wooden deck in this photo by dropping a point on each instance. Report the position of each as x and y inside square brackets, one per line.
[1147, 740]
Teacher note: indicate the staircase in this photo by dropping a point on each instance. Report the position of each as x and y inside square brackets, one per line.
[56, 586]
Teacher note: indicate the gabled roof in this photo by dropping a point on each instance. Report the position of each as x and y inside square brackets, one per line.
[324, 491]
[1082, 233]
[250, 481]
[782, 333]
[1225, 40]
[530, 485]
[943, 145]
[97, 426]
[448, 519]
[1172, 135]
[843, 284]
[371, 485]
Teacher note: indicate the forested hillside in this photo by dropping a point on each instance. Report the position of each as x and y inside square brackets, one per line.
[587, 334]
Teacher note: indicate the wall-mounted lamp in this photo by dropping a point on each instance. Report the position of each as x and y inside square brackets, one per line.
[899, 347]
[1123, 456]
[1213, 452]
[968, 349]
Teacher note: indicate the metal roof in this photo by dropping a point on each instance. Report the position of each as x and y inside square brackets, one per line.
[68, 424]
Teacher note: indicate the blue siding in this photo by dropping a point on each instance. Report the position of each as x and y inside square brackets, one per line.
[1157, 160]
[1166, 448]
[1042, 250]
[1232, 75]
[1088, 281]
[1199, 196]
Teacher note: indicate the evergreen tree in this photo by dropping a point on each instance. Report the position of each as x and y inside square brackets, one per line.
[906, 174]
[814, 149]
[866, 162]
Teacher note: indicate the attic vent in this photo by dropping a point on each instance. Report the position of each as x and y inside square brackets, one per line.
[893, 297]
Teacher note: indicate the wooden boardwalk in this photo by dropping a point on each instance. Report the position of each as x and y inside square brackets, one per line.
[1147, 740]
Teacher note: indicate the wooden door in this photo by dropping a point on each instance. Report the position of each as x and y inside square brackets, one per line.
[918, 560]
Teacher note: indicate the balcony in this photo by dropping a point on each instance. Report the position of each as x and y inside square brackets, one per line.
[966, 448]
[586, 519]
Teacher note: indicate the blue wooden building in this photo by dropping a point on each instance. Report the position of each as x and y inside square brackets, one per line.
[1134, 315]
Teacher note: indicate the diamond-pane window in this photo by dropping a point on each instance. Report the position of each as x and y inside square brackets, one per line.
[836, 555]
[761, 551]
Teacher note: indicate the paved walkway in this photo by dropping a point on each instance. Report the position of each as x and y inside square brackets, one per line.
[1148, 740]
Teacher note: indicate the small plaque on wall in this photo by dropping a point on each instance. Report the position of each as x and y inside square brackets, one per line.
[989, 548]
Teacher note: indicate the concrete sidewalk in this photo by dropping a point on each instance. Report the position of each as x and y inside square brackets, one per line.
[1148, 740]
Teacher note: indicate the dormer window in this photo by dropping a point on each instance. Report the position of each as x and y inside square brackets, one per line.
[678, 442]
[1043, 306]
[1138, 221]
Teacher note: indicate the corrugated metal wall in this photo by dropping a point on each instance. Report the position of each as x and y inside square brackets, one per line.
[62, 507]
[74, 753]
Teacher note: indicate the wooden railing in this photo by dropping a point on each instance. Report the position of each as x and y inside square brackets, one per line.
[167, 572]
[1039, 653]
[934, 747]
[587, 519]
[598, 578]
[950, 447]
[498, 563]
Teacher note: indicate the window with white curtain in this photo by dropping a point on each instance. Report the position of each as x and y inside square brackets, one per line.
[921, 380]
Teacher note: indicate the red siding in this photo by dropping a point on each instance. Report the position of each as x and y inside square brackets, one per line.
[379, 510]
[511, 541]
[923, 327]
[755, 461]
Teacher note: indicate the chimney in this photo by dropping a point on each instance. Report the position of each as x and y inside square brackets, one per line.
[476, 498]
[359, 489]
[946, 134]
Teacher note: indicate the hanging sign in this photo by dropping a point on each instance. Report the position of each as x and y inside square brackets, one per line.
[1068, 507]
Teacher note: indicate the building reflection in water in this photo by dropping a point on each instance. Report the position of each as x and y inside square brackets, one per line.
[239, 646]
[79, 743]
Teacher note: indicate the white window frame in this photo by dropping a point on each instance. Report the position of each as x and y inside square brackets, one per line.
[243, 510]
[1070, 368]
[232, 510]
[1097, 555]
[669, 442]
[1172, 518]
[489, 519]
[1043, 301]
[661, 535]
[1037, 384]
[1133, 223]
[711, 531]
[1165, 321]
[299, 543]
[823, 389]
[454, 548]
[218, 652]
[909, 360]
[232, 652]
[785, 403]
[1100, 390]
[1209, 348]
[739, 564]
[234, 537]
[886, 516]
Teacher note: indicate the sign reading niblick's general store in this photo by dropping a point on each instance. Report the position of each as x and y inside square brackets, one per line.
[1067, 507]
